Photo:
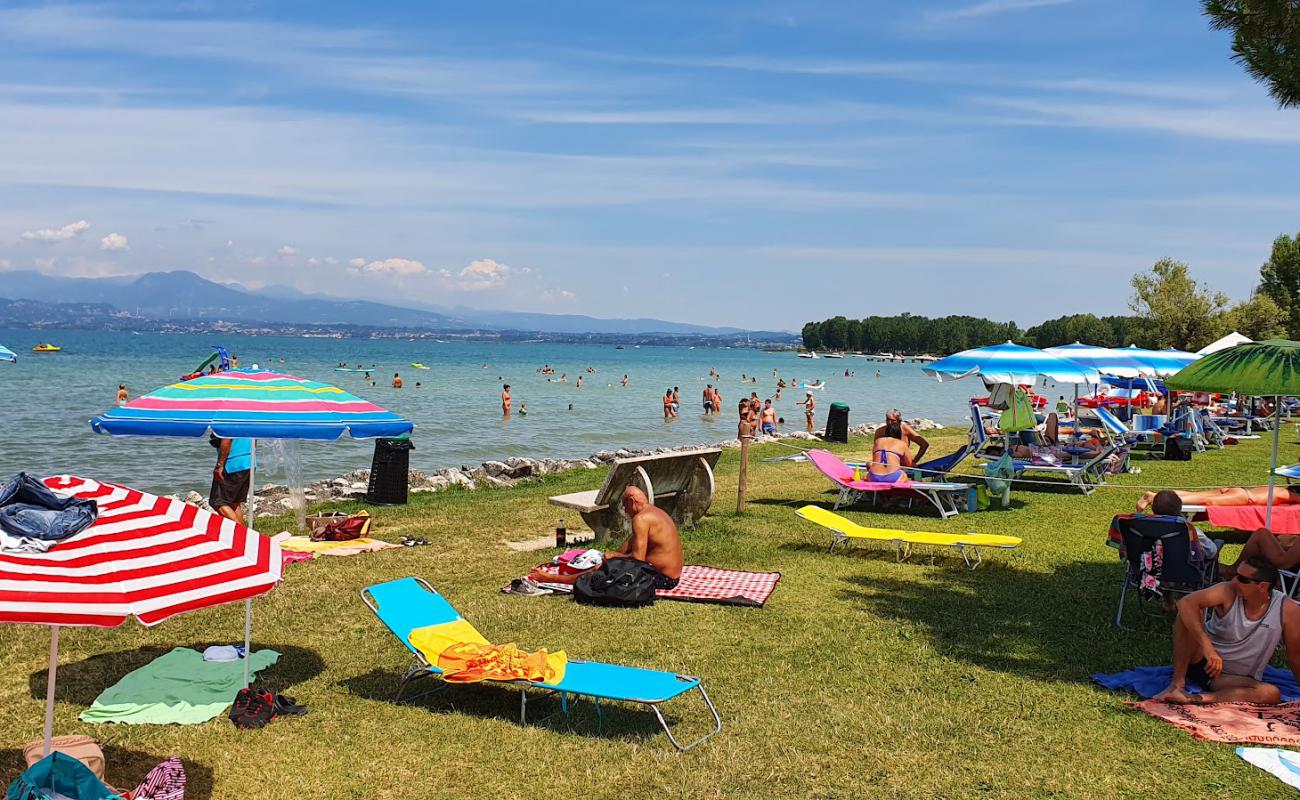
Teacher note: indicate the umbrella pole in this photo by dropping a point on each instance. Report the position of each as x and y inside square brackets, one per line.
[248, 604]
[49, 688]
[1277, 430]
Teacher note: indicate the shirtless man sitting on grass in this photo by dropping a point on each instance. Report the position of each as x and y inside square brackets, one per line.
[1225, 635]
[654, 540]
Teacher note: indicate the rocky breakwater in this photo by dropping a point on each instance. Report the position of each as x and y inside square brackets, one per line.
[277, 498]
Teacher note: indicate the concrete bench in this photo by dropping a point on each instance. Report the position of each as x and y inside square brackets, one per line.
[681, 483]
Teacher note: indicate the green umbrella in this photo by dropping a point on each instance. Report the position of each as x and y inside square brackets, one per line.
[1257, 369]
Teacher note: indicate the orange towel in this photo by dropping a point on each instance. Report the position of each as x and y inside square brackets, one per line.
[470, 662]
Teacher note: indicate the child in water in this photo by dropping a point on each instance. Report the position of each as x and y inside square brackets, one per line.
[523, 409]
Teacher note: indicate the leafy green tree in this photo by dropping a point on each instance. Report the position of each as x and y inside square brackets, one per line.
[1265, 40]
[1181, 312]
[1279, 278]
[1257, 318]
[835, 333]
[812, 335]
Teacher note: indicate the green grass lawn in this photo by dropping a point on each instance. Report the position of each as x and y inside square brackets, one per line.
[862, 677]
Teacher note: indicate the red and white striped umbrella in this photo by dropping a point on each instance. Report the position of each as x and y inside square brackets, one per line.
[145, 556]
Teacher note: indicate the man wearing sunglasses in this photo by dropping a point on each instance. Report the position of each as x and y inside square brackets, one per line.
[1225, 635]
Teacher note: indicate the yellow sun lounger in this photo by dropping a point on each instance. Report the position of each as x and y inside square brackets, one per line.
[968, 544]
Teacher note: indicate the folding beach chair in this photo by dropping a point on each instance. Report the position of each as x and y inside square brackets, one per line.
[1180, 571]
[943, 496]
[1083, 474]
[407, 604]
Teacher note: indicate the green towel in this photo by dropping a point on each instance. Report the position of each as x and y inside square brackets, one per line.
[179, 687]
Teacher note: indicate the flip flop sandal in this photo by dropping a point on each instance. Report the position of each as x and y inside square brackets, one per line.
[288, 707]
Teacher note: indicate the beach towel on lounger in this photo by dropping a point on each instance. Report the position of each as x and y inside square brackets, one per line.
[728, 587]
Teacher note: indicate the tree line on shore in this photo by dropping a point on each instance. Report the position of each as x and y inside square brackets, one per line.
[1169, 309]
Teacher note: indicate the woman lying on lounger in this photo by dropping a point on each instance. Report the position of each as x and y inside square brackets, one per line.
[1231, 496]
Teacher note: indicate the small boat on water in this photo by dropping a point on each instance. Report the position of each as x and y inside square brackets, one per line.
[834, 355]
[417, 365]
[620, 347]
[809, 354]
[46, 347]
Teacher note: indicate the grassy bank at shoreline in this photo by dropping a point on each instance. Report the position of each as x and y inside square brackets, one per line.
[861, 677]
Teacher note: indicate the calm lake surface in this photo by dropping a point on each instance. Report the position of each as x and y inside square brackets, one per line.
[47, 399]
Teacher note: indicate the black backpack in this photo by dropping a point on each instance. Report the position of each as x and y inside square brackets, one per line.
[622, 582]
[1178, 448]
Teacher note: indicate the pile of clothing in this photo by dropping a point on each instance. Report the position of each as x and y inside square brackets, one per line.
[33, 519]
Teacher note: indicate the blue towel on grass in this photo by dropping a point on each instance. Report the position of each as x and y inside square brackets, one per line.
[1150, 681]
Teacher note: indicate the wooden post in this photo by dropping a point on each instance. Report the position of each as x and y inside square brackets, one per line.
[746, 436]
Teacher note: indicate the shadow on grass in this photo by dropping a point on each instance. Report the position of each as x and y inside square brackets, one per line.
[493, 701]
[1053, 626]
[81, 682]
[124, 769]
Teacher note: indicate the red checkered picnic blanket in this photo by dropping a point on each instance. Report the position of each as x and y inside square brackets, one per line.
[730, 587]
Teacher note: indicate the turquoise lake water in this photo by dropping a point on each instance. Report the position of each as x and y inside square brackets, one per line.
[47, 399]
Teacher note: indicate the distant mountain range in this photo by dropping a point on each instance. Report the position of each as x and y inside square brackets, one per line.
[185, 296]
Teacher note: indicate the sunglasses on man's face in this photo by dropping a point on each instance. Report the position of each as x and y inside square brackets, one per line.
[1246, 579]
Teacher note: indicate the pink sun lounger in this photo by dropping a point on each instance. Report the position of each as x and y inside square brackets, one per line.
[943, 496]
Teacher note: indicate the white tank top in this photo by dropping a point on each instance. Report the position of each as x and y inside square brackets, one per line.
[1245, 644]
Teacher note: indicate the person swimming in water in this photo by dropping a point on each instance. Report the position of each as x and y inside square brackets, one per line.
[122, 395]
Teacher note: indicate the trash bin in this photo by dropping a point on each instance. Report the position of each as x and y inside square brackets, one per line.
[837, 423]
[388, 478]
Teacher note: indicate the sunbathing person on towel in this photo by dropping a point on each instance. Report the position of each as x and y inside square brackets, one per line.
[1225, 635]
[654, 540]
[1231, 496]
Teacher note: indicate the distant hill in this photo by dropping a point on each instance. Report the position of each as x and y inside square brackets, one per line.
[183, 295]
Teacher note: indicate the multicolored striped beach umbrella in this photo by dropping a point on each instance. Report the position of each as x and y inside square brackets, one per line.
[252, 404]
[7, 355]
[145, 557]
[1011, 363]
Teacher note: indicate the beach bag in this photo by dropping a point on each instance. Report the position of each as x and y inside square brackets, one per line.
[1178, 448]
[344, 530]
[59, 774]
[623, 582]
[83, 748]
[317, 522]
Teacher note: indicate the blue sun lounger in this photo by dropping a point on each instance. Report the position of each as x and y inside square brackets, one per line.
[406, 604]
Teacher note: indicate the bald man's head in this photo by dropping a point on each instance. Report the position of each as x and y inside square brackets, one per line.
[633, 499]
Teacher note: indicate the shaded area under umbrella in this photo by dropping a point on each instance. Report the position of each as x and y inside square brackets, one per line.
[146, 557]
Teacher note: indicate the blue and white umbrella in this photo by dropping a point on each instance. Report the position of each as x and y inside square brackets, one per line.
[1105, 360]
[7, 355]
[1161, 363]
[1011, 363]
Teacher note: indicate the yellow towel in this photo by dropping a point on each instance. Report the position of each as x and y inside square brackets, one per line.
[464, 655]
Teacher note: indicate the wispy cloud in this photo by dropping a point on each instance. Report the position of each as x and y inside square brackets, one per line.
[990, 8]
[61, 234]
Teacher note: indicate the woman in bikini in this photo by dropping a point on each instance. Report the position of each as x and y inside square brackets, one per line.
[889, 454]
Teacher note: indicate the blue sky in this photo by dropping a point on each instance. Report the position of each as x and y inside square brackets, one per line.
[745, 163]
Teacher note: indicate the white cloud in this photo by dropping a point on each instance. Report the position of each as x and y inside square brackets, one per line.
[287, 251]
[5, 263]
[114, 242]
[313, 262]
[357, 262]
[991, 8]
[561, 295]
[394, 266]
[482, 274]
[69, 231]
